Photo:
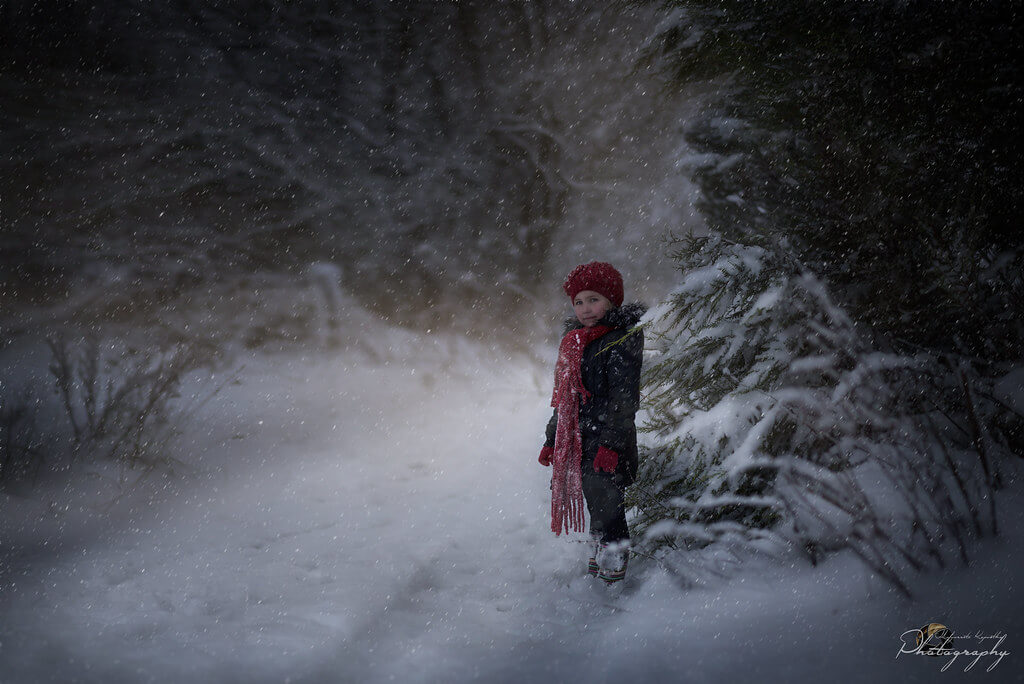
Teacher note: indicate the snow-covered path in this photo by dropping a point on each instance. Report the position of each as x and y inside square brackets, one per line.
[367, 522]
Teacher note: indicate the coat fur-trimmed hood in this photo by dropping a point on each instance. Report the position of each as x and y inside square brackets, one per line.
[625, 316]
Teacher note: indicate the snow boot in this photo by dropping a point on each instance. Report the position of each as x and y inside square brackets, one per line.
[612, 560]
[595, 549]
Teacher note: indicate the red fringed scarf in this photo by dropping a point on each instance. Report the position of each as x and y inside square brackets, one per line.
[566, 475]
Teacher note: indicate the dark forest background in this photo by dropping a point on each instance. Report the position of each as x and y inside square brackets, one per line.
[882, 141]
[164, 160]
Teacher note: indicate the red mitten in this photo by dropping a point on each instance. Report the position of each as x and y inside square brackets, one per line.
[546, 454]
[606, 460]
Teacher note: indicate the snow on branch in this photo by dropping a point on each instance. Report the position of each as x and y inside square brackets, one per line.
[771, 418]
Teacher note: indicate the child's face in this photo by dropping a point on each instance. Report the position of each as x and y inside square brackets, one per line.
[590, 306]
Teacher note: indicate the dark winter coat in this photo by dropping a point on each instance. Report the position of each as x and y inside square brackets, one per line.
[611, 372]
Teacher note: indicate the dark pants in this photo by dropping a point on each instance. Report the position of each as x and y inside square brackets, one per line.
[604, 495]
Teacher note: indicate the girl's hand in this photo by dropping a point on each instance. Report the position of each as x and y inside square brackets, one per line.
[606, 460]
[546, 454]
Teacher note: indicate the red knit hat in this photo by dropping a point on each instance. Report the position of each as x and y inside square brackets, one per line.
[597, 276]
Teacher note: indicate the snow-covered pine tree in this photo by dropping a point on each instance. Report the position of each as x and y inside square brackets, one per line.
[773, 425]
[875, 136]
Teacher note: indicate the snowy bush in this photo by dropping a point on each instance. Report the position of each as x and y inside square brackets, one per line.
[828, 372]
[110, 404]
[775, 424]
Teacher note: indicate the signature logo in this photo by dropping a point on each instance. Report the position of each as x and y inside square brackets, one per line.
[933, 638]
[937, 640]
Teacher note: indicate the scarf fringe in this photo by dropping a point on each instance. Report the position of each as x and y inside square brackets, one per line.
[566, 477]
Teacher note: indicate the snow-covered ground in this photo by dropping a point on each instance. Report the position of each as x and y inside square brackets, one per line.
[360, 521]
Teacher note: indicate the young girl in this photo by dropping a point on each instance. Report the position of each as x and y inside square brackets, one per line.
[591, 437]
